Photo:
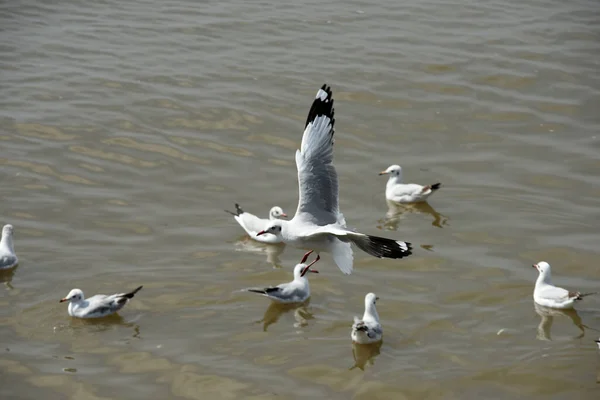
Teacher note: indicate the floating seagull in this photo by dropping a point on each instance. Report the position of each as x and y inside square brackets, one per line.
[548, 295]
[597, 342]
[399, 192]
[296, 291]
[8, 258]
[367, 330]
[96, 306]
[318, 223]
[252, 224]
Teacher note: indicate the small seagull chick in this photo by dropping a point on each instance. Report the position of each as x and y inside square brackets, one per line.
[399, 192]
[548, 295]
[368, 330]
[296, 291]
[253, 224]
[96, 306]
[8, 258]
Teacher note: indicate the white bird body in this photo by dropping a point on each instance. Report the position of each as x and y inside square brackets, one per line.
[296, 291]
[8, 258]
[548, 295]
[253, 224]
[318, 223]
[96, 306]
[399, 192]
[368, 329]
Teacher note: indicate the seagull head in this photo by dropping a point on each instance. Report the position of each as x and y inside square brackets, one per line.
[392, 170]
[544, 268]
[274, 228]
[7, 230]
[301, 269]
[74, 296]
[277, 212]
[371, 299]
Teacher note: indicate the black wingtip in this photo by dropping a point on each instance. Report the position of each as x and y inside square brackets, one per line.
[131, 294]
[322, 105]
[436, 186]
[384, 248]
[260, 291]
[238, 211]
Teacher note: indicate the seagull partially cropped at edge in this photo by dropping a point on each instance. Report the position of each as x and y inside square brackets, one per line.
[96, 306]
[548, 295]
[253, 224]
[296, 291]
[368, 329]
[318, 224]
[399, 192]
[8, 258]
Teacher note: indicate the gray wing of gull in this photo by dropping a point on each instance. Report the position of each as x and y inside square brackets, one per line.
[317, 178]
[100, 305]
[8, 261]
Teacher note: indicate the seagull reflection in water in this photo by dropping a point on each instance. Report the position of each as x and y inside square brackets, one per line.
[547, 319]
[365, 353]
[273, 251]
[276, 310]
[397, 212]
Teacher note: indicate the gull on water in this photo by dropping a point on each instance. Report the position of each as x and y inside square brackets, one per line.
[8, 258]
[296, 291]
[597, 342]
[96, 306]
[399, 192]
[368, 330]
[252, 224]
[548, 295]
[318, 224]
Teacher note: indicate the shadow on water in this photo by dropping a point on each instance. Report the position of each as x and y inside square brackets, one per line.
[273, 251]
[365, 353]
[397, 212]
[547, 319]
[276, 310]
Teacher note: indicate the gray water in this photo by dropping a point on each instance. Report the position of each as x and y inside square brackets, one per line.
[127, 128]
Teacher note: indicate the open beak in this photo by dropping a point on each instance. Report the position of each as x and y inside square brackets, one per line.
[383, 173]
[261, 233]
[63, 300]
[307, 268]
[306, 256]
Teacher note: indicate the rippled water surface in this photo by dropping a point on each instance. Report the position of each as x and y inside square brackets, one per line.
[127, 127]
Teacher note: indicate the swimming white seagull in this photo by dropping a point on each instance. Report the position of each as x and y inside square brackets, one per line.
[96, 306]
[318, 224]
[597, 342]
[368, 330]
[399, 192]
[548, 295]
[8, 258]
[296, 291]
[252, 224]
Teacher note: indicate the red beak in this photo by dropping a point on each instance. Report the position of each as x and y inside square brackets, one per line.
[307, 269]
[284, 215]
[62, 300]
[535, 266]
[305, 257]
[261, 233]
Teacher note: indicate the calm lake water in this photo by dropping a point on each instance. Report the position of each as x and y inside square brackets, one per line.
[127, 128]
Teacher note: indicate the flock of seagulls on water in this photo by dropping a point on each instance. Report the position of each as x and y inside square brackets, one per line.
[318, 226]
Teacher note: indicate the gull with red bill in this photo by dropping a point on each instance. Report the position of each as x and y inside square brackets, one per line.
[253, 224]
[548, 295]
[296, 291]
[97, 306]
[318, 224]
